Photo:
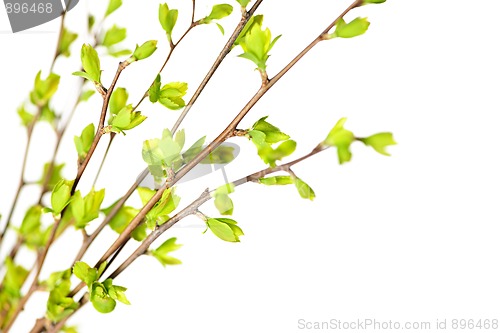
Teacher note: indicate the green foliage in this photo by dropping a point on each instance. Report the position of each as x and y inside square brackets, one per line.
[243, 3]
[218, 12]
[277, 180]
[305, 190]
[67, 38]
[256, 45]
[26, 117]
[84, 141]
[342, 139]
[55, 175]
[44, 89]
[118, 100]
[220, 155]
[61, 195]
[159, 213]
[85, 273]
[222, 201]
[163, 154]
[126, 119]
[104, 296]
[112, 6]
[168, 18]
[31, 228]
[14, 278]
[264, 135]
[194, 150]
[59, 305]
[171, 95]
[122, 219]
[356, 27]
[85, 96]
[224, 228]
[379, 142]
[91, 64]
[86, 209]
[162, 253]
[254, 20]
[145, 50]
[114, 36]
[367, 2]
[155, 89]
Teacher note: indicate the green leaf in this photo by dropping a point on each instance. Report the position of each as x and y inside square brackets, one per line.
[224, 228]
[341, 138]
[194, 150]
[159, 213]
[154, 90]
[100, 298]
[67, 38]
[44, 89]
[277, 180]
[305, 190]
[84, 141]
[61, 195]
[257, 19]
[356, 27]
[122, 219]
[273, 133]
[55, 176]
[126, 119]
[69, 329]
[379, 142]
[224, 204]
[168, 18]
[14, 279]
[86, 209]
[145, 50]
[118, 100]
[257, 44]
[26, 117]
[91, 64]
[90, 22]
[85, 96]
[112, 6]
[367, 2]
[118, 293]
[162, 253]
[244, 3]
[218, 12]
[171, 95]
[220, 155]
[85, 273]
[119, 53]
[114, 36]
[221, 28]
[31, 221]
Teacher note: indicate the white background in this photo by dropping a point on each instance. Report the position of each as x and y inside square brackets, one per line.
[413, 237]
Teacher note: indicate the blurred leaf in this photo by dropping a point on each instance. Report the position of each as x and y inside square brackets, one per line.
[342, 139]
[61, 195]
[277, 180]
[244, 3]
[218, 12]
[112, 6]
[67, 38]
[162, 253]
[379, 142]
[44, 89]
[26, 117]
[55, 176]
[305, 190]
[86, 95]
[114, 36]
[84, 141]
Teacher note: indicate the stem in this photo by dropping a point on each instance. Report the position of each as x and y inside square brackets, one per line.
[112, 136]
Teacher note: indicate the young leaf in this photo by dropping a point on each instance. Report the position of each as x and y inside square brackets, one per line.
[273, 133]
[145, 50]
[154, 90]
[118, 293]
[194, 150]
[222, 201]
[114, 36]
[342, 139]
[257, 19]
[84, 141]
[277, 180]
[118, 100]
[26, 117]
[257, 44]
[305, 190]
[367, 2]
[55, 176]
[61, 195]
[44, 89]
[218, 12]
[85, 273]
[91, 64]
[100, 298]
[168, 18]
[112, 6]
[244, 3]
[67, 38]
[356, 27]
[379, 142]
[163, 251]
[126, 120]
[225, 229]
[86, 95]
[171, 95]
